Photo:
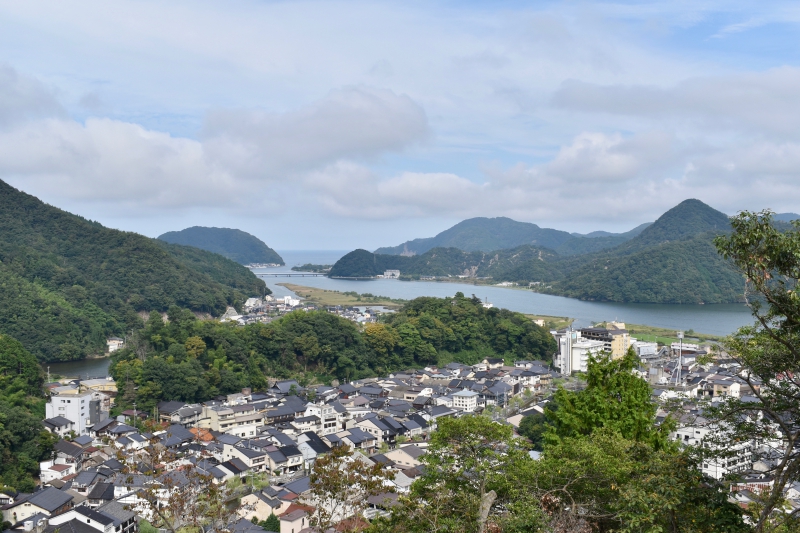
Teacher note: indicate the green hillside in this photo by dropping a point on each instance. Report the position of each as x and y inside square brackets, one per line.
[317, 346]
[684, 221]
[69, 283]
[674, 272]
[523, 262]
[597, 240]
[484, 235]
[234, 244]
[672, 260]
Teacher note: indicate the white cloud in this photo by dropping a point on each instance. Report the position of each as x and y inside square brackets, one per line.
[755, 102]
[354, 122]
[561, 114]
[113, 162]
[22, 98]
[124, 164]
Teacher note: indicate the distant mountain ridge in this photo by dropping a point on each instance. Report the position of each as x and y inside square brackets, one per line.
[488, 234]
[68, 283]
[672, 260]
[786, 217]
[235, 244]
[484, 235]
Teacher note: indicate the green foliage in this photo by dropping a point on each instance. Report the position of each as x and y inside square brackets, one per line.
[66, 283]
[616, 484]
[768, 351]
[310, 267]
[23, 440]
[192, 360]
[272, 523]
[614, 398]
[234, 244]
[533, 428]
[469, 483]
[426, 326]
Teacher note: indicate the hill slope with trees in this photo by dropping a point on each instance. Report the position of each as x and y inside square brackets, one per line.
[193, 360]
[23, 440]
[68, 283]
[234, 244]
[672, 260]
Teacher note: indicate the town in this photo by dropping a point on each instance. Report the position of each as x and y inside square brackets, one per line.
[263, 445]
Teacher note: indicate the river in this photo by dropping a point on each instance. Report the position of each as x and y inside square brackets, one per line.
[720, 319]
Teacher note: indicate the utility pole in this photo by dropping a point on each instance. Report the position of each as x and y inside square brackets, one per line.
[680, 359]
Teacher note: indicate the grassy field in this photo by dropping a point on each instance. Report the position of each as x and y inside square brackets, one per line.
[668, 336]
[327, 297]
[553, 322]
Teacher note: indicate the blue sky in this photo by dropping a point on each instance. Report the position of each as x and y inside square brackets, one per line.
[335, 125]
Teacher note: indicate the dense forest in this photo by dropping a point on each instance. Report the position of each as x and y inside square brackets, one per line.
[23, 440]
[672, 260]
[193, 360]
[234, 244]
[68, 283]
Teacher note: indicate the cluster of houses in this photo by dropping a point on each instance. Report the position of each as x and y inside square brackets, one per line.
[256, 310]
[92, 485]
[677, 377]
[89, 486]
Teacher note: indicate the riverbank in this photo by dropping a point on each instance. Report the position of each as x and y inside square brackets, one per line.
[668, 336]
[327, 297]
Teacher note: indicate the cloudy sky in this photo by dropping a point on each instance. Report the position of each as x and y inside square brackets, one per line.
[335, 125]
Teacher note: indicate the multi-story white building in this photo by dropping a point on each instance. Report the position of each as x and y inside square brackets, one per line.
[327, 415]
[81, 408]
[574, 350]
[466, 400]
[739, 456]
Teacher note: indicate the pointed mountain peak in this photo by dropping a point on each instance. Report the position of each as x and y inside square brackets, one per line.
[684, 221]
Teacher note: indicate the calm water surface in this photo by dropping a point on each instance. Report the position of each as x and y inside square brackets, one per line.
[719, 319]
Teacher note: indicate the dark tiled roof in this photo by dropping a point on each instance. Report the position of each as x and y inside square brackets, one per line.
[299, 486]
[67, 448]
[50, 499]
[58, 421]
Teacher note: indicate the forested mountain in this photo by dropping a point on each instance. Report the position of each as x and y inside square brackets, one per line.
[69, 283]
[193, 360]
[485, 235]
[23, 440]
[234, 244]
[523, 262]
[672, 260]
[685, 221]
[489, 234]
[598, 240]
